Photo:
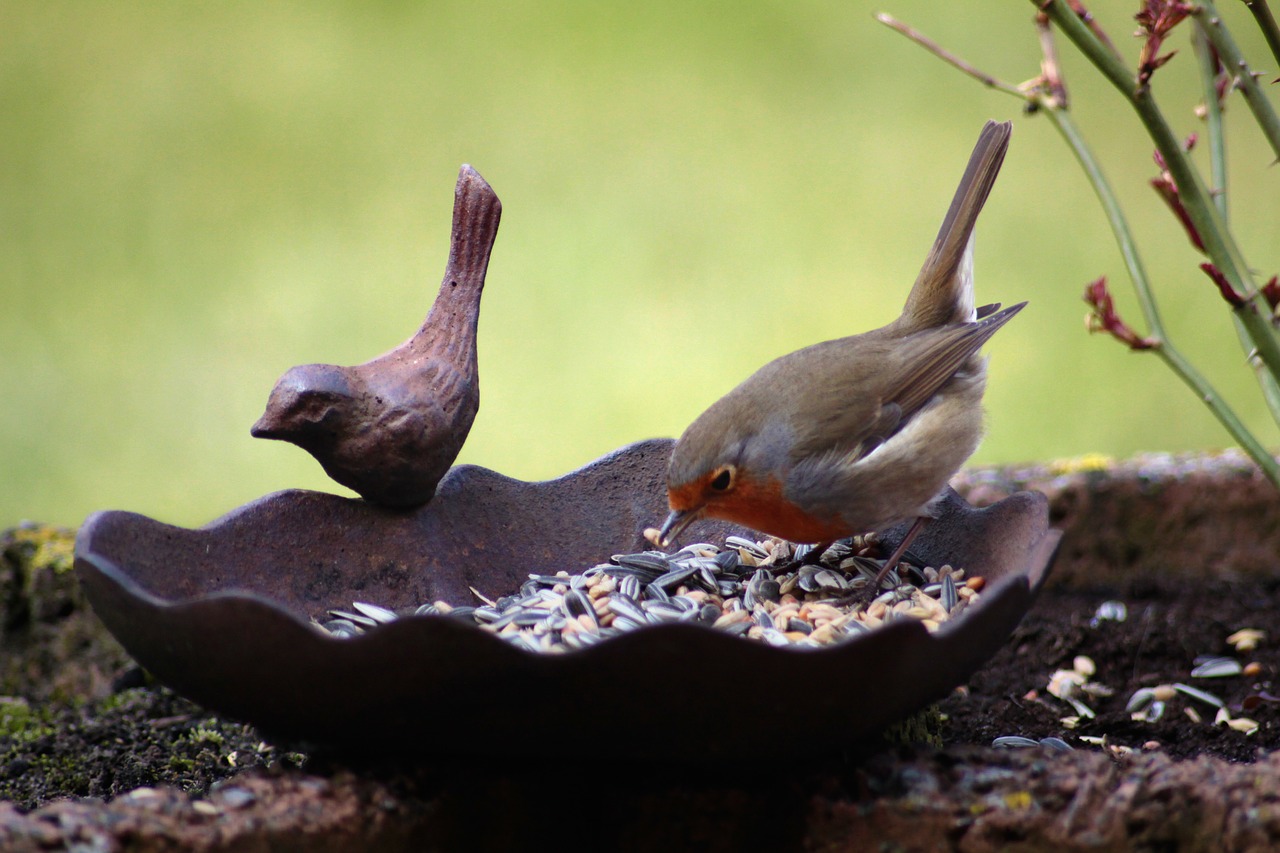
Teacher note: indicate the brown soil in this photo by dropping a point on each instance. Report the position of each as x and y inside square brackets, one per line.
[1170, 625]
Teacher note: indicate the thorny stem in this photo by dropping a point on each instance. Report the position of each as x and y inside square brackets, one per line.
[1056, 111]
[1115, 217]
[1267, 23]
[1209, 396]
[1208, 63]
[1253, 313]
[1050, 68]
[1209, 28]
[1207, 17]
[1170, 354]
[1092, 23]
[1209, 69]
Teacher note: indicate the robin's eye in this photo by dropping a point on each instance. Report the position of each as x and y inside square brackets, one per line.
[723, 479]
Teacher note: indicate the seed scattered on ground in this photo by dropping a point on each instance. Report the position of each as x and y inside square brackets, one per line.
[1216, 667]
[1019, 742]
[1246, 639]
[1243, 724]
[1199, 695]
[770, 591]
[1109, 611]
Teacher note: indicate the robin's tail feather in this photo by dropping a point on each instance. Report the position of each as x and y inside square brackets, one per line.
[943, 292]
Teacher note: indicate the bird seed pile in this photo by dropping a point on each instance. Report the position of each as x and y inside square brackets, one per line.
[764, 591]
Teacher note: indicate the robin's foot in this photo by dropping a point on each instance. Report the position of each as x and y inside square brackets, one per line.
[814, 555]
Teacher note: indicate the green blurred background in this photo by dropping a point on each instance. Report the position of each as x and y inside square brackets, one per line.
[194, 197]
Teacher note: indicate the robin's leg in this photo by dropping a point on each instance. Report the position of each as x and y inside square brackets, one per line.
[896, 557]
[816, 552]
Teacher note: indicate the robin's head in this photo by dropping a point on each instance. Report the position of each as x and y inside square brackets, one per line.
[726, 465]
[691, 500]
[732, 464]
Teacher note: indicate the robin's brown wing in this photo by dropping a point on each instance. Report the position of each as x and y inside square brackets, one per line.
[932, 358]
[832, 412]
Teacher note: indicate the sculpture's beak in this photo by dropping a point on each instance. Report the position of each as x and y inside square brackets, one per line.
[265, 428]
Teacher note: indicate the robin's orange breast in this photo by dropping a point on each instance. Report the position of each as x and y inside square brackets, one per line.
[761, 506]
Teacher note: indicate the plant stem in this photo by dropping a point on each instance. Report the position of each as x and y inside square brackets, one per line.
[1267, 23]
[948, 57]
[1219, 245]
[1209, 65]
[1061, 119]
[1207, 17]
[1188, 374]
[1213, 120]
[1054, 107]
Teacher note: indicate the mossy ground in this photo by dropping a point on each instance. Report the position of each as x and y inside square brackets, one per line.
[141, 736]
[77, 718]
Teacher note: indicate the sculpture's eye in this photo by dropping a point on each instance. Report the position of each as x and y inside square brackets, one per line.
[723, 479]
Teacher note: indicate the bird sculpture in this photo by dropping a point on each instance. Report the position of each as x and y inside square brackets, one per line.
[390, 428]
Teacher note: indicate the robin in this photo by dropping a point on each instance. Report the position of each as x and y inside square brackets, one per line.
[391, 427]
[860, 433]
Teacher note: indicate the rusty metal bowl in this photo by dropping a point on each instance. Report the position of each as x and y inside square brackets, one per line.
[221, 614]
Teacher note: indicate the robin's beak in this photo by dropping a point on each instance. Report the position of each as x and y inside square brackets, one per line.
[675, 524]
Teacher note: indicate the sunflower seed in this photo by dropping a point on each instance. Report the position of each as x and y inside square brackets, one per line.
[835, 552]
[487, 614]
[626, 606]
[354, 618]
[629, 586]
[746, 545]
[1109, 611]
[1141, 698]
[1153, 712]
[653, 592]
[746, 588]
[651, 561]
[342, 628]
[1199, 695]
[673, 578]
[774, 637]
[663, 611]
[1217, 667]
[949, 597]
[794, 624]
[374, 612]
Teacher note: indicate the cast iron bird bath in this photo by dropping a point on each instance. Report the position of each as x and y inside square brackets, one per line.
[221, 613]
